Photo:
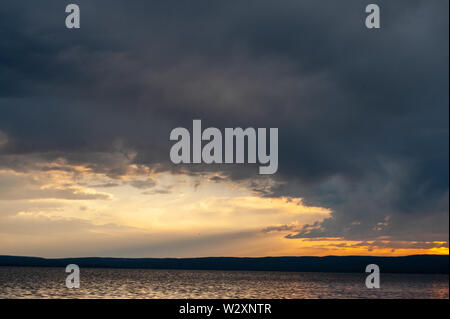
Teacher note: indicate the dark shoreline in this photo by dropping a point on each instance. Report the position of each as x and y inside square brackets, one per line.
[419, 264]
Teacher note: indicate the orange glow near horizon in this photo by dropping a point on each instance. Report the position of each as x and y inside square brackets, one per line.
[75, 212]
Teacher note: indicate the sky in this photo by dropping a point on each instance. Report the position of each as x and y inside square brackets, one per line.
[86, 115]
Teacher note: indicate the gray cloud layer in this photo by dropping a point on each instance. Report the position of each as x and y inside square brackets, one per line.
[362, 114]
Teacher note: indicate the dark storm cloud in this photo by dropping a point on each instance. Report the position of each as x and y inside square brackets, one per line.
[362, 114]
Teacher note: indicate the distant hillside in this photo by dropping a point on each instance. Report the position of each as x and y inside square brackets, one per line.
[430, 264]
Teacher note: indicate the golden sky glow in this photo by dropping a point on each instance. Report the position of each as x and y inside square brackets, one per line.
[71, 211]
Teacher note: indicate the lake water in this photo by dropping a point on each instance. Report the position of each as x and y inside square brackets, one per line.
[27, 282]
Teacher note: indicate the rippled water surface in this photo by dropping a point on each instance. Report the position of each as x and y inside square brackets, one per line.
[24, 282]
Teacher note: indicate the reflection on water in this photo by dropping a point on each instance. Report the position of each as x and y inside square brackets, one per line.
[24, 282]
